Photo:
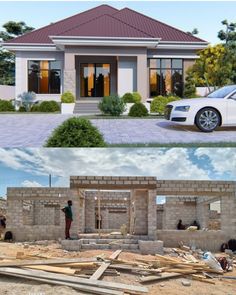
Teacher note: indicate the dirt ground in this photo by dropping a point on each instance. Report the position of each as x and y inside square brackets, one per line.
[14, 286]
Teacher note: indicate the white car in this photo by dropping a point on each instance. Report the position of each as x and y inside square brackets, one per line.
[216, 109]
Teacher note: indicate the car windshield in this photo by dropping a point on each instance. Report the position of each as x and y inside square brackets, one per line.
[222, 92]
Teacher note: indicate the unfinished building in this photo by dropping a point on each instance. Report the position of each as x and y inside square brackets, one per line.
[103, 204]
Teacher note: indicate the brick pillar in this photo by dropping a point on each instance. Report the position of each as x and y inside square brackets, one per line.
[142, 76]
[76, 224]
[203, 214]
[228, 216]
[69, 73]
[152, 213]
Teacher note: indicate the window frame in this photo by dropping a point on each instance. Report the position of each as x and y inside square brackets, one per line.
[165, 68]
[49, 70]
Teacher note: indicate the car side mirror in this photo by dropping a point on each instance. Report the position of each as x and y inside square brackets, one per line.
[233, 96]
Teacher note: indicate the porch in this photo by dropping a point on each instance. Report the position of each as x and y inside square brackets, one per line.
[91, 73]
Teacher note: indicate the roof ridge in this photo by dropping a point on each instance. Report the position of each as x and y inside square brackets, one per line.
[105, 14]
[131, 26]
[62, 20]
[176, 29]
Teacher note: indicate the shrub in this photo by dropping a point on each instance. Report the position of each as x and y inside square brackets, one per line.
[138, 110]
[132, 97]
[189, 87]
[112, 105]
[50, 106]
[27, 99]
[35, 108]
[137, 97]
[76, 132]
[128, 97]
[6, 106]
[22, 109]
[67, 97]
[159, 103]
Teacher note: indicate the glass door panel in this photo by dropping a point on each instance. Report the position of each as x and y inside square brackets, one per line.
[94, 80]
[87, 72]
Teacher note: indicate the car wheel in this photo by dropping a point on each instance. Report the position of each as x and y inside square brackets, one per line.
[207, 119]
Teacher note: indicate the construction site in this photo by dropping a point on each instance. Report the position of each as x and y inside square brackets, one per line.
[121, 240]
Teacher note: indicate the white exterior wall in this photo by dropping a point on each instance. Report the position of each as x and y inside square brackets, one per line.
[127, 75]
[22, 59]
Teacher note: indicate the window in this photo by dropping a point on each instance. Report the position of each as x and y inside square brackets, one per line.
[165, 76]
[44, 77]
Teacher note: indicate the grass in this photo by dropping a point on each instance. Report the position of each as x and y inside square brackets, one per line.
[180, 145]
[90, 117]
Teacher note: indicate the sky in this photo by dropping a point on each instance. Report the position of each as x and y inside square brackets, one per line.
[206, 16]
[31, 167]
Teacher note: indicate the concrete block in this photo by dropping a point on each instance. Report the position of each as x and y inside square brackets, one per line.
[151, 247]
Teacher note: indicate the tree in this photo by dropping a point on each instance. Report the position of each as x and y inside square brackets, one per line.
[189, 87]
[213, 68]
[229, 34]
[229, 37]
[194, 32]
[7, 59]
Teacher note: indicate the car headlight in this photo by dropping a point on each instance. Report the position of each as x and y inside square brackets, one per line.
[182, 108]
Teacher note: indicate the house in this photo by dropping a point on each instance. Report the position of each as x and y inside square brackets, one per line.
[103, 51]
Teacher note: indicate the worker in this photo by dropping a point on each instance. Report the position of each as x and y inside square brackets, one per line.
[68, 219]
[180, 225]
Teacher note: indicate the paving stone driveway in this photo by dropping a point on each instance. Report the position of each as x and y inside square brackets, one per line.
[32, 131]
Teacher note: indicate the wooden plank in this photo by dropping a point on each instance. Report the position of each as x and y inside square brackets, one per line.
[202, 279]
[46, 261]
[163, 277]
[115, 254]
[87, 289]
[80, 264]
[99, 272]
[63, 270]
[132, 289]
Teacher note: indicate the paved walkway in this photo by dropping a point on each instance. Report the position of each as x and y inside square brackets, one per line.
[33, 130]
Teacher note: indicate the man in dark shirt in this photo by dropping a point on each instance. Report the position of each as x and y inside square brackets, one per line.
[68, 218]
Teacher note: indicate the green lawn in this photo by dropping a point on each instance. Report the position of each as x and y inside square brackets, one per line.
[184, 145]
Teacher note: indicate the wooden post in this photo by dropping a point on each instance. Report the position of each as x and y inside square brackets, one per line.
[99, 213]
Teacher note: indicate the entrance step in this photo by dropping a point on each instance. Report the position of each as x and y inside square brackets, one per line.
[129, 247]
[87, 107]
[104, 242]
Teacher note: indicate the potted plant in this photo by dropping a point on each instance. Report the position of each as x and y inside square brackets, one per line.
[67, 103]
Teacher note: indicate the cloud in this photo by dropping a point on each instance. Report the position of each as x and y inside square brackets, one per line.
[222, 160]
[172, 163]
[28, 183]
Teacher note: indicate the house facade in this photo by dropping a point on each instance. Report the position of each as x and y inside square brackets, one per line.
[104, 51]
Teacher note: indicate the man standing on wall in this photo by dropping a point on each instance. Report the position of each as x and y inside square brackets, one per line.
[68, 218]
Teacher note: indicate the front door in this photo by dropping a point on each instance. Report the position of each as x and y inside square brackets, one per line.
[94, 80]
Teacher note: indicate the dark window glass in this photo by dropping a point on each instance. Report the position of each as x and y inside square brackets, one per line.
[177, 82]
[177, 64]
[94, 80]
[44, 77]
[154, 82]
[155, 63]
[165, 63]
[166, 77]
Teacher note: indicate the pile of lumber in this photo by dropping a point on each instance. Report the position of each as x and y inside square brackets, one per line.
[81, 274]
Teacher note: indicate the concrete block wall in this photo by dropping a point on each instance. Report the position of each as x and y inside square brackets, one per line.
[206, 240]
[34, 213]
[114, 209]
[3, 207]
[112, 182]
[196, 188]
[179, 208]
[139, 212]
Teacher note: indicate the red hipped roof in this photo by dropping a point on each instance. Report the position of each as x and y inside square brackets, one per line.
[106, 21]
